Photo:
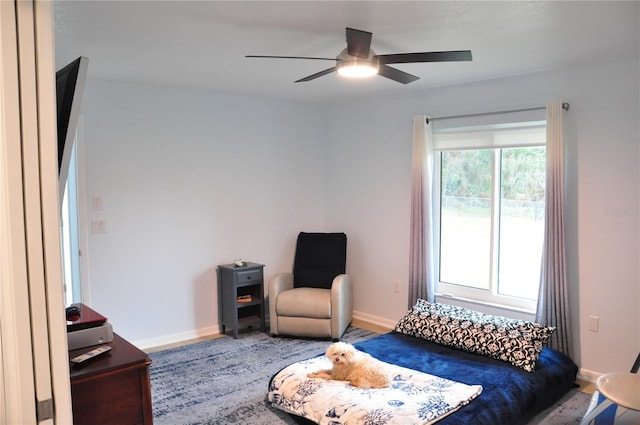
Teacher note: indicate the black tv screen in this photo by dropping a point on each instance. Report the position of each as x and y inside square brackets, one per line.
[69, 88]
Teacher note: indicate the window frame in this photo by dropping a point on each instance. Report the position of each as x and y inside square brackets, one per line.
[482, 137]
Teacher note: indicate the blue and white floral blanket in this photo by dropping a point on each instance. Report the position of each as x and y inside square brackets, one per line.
[413, 398]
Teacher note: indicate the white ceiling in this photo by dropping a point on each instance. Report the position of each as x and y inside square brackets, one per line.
[202, 44]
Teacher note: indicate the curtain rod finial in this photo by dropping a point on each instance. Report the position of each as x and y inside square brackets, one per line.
[565, 106]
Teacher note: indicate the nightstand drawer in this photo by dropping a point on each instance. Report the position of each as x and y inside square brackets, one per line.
[249, 276]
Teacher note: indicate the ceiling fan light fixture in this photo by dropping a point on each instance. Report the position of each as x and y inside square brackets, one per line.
[358, 70]
[355, 67]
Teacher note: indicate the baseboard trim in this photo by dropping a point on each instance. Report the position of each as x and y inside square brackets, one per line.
[374, 320]
[177, 338]
[588, 375]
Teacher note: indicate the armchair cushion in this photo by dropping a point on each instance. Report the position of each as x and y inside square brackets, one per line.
[305, 302]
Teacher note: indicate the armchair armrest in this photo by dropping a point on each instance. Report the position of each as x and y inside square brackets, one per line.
[341, 304]
[278, 283]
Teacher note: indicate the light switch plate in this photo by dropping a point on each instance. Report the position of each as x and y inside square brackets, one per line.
[97, 203]
[594, 323]
[98, 225]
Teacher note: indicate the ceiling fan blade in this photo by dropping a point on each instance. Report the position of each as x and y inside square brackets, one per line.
[396, 75]
[452, 55]
[358, 43]
[316, 75]
[289, 57]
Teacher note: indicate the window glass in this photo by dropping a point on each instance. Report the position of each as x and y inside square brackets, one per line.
[521, 221]
[465, 217]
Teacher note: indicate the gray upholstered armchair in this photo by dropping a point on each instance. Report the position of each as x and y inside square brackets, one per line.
[316, 300]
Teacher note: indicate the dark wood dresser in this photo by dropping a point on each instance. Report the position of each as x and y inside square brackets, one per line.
[113, 388]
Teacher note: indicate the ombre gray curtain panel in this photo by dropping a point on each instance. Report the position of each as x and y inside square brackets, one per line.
[553, 296]
[421, 274]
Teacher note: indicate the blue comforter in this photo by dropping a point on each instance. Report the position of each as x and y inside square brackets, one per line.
[510, 395]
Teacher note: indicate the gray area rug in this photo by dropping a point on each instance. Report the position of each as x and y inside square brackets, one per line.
[569, 410]
[224, 381]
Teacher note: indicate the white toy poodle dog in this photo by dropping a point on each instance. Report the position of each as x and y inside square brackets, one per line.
[358, 368]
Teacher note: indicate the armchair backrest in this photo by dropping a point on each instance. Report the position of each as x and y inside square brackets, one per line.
[319, 258]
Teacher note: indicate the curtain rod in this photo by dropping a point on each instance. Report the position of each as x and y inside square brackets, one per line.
[565, 106]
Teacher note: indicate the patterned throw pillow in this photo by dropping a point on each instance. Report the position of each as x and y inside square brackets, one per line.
[518, 342]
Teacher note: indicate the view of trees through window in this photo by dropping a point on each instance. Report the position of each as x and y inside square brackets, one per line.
[492, 219]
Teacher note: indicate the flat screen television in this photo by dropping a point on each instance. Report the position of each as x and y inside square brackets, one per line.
[69, 88]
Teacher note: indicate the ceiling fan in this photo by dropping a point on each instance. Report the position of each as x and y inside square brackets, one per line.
[359, 60]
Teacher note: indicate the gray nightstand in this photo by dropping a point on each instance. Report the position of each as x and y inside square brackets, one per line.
[241, 295]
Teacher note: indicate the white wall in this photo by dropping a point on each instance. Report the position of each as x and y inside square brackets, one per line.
[191, 180]
[368, 187]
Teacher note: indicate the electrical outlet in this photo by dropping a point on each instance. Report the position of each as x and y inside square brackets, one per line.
[396, 286]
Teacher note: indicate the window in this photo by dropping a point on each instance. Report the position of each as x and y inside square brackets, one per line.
[489, 209]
